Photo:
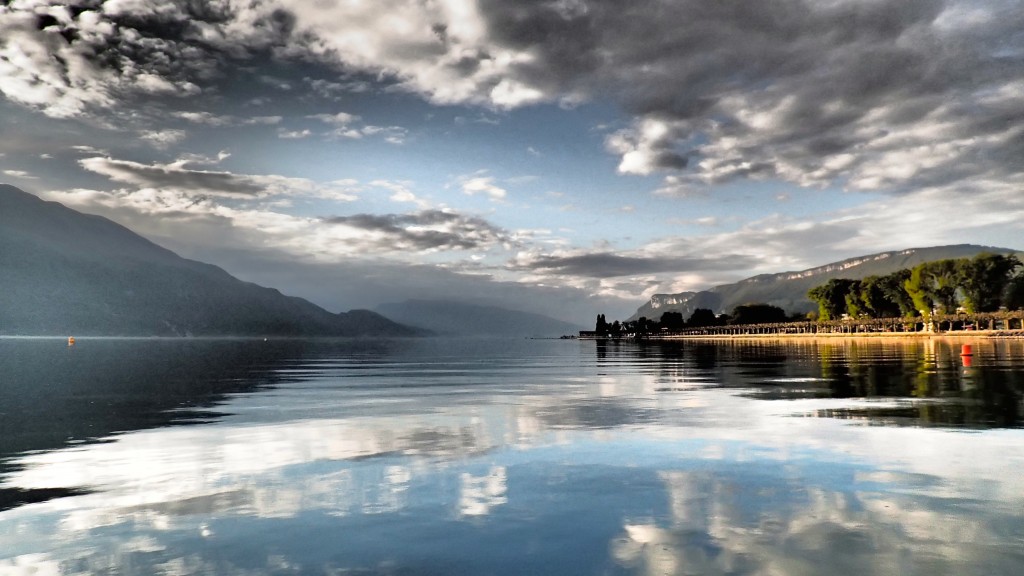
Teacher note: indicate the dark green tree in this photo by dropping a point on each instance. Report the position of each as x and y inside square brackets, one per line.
[702, 317]
[892, 287]
[983, 280]
[602, 325]
[831, 297]
[933, 285]
[672, 320]
[873, 301]
[1013, 293]
[640, 326]
[757, 314]
[944, 279]
[916, 286]
[853, 298]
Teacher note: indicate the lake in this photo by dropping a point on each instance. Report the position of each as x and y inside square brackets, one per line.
[447, 456]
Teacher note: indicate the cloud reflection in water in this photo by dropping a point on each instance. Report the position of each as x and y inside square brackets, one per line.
[659, 476]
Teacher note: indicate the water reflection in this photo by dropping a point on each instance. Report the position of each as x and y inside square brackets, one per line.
[481, 493]
[923, 381]
[52, 395]
[541, 457]
[716, 526]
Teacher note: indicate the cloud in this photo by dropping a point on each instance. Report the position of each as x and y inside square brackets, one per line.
[19, 174]
[648, 147]
[339, 119]
[427, 230]
[400, 192]
[262, 120]
[294, 134]
[343, 123]
[205, 118]
[871, 95]
[209, 119]
[390, 134]
[177, 177]
[70, 60]
[334, 90]
[163, 138]
[173, 177]
[476, 184]
[357, 263]
[92, 150]
[876, 95]
[611, 265]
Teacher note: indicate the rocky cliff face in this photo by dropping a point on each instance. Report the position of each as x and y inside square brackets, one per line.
[659, 301]
[684, 302]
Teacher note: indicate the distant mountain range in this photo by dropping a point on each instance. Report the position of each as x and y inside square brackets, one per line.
[451, 318]
[67, 273]
[788, 290]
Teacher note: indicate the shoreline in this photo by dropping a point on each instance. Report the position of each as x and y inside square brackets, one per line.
[953, 335]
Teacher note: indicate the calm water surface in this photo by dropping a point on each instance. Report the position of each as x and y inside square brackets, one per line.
[446, 456]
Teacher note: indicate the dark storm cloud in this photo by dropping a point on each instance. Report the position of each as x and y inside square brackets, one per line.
[871, 94]
[803, 90]
[609, 265]
[426, 230]
[88, 57]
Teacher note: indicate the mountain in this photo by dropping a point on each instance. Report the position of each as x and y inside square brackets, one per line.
[788, 290]
[63, 272]
[458, 318]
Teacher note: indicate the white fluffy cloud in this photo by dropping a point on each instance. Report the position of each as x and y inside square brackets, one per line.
[479, 183]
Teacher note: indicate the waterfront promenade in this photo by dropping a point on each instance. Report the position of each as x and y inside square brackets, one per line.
[980, 324]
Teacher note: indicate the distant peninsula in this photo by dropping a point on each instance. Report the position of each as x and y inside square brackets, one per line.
[959, 294]
[68, 273]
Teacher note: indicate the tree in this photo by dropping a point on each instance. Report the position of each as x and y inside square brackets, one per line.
[916, 287]
[640, 326]
[934, 285]
[602, 325]
[757, 314]
[702, 317]
[672, 320]
[1013, 293]
[831, 297]
[983, 280]
[892, 287]
[854, 303]
[884, 296]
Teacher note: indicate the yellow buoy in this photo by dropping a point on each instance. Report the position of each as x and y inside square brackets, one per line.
[71, 340]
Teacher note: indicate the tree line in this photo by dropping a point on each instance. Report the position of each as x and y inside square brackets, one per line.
[701, 317]
[980, 284]
[984, 283]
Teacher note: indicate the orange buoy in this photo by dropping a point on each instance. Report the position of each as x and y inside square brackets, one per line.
[71, 340]
[966, 360]
[965, 350]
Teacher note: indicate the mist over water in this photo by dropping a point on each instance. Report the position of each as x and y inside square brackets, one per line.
[492, 456]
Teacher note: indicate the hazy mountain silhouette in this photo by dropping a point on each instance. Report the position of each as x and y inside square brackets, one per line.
[64, 272]
[788, 290]
[451, 318]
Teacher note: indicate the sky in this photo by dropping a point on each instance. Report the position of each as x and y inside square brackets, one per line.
[567, 157]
